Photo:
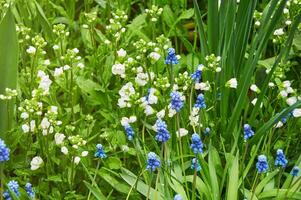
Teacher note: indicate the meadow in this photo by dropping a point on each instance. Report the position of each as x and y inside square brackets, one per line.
[150, 99]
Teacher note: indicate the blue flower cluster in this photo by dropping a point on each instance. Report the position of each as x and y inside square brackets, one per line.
[196, 76]
[177, 197]
[262, 164]
[197, 144]
[29, 190]
[171, 57]
[295, 171]
[280, 159]
[200, 101]
[129, 131]
[4, 152]
[13, 187]
[162, 132]
[100, 153]
[176, 102]
[195, 164]
[152, 161]
[248, 132]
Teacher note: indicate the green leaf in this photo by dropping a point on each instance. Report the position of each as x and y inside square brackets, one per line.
[114, 163]
[186, 14]
[232, 191]
[8, 66]
[213, 173]
[97, 193]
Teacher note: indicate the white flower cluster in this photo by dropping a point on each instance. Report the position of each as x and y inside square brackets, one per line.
[285, 89]
[9, 94]
[194, 117]
[149, 100]
[117, 24]
[126, 92]
[44, 82]
[154, 13]
[142, 78]
[49, 121]
[126, 121]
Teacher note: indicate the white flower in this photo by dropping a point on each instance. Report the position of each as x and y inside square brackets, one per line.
[59, 138]
[286, 84]
[182, 132]
[257, 23]
[288, 22]
[76, 160]
[155, 56]
[232, 83]
[75, 50]
[218, 69]
[47, 62]
[141, 79]
[32, 125]
[205, 86]
[194, 116]
[125, 148]
[171, 112]
[31, 50]
[290, 101]
[132, 119]
[289, 90]
[84, 153]
[283, 93]
[45, 124]
[279, 124]
[24, 115]
[255, 88]
[124, 121]
[81, 65]
[64, 150]
[271, 84]
[36, 163]
[58, 71]
[118, 69]
[254, 101]
[121, 53]
[161, 114]
[66, 67]
[148, 110]
[278, 32]
[45, 82]
[25, 128]
[55, 47]
[297, 112]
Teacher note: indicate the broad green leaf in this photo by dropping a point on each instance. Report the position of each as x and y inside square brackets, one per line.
[232, 192]
[8, 66]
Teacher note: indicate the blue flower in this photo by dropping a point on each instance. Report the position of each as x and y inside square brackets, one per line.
[295, 171]
[14, 187]
[152, 162]
[129, 131]
[176, 101]
[197, 75]
[178, 197]
[207, 131]
[6, 195]
[4, 152]
[197, 144]
[29, 190]
[280, 159]
[195, 164]
[262, 164]
[248, 132]
[162, 132]
[171, 57]
[100, 153]
[200, 101]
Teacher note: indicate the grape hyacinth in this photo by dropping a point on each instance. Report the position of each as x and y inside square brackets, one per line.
[4, 152]
[177, 101]
[262, 164]
[152, 162]
[195, 164]
[29, 190]
[200, 102]
[171, 57]
[280, 159]
[129, 131]
[295, 171]
[197, 75]
[14, 187]
[100, 153]
[248, 132]
[6, 195]
[162, 132]
[197, 144]
[178, 197]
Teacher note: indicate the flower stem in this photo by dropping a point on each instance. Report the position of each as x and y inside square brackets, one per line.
[194, 184]
[149, 186]
[94, 177]
[1, 181]
[254, 185]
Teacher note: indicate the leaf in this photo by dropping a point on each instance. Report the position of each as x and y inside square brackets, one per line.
[95, 192]
[141, 187]
[233, 179]
[8, 66]
[114, 163]
[186, 14]
[168, 16]
[213, 173]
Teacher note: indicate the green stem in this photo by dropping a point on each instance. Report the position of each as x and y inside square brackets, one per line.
[1, 181]
[194, 184]
[129, 193]
[94, 177]
[149, 186]
[254, 186]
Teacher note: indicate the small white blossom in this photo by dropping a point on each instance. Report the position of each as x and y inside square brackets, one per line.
[25, 128]
[279, 32]
[254, 88]
[59, 138]
[154, 56]
[283, 93]
[64, 150]
[182, 132]
[24, 115]
[36, 163]
[121, 53]
[232, 83]
[290, 101]
[161, 114]
[204, 86]
[118, 69]
[76, 160]
[58, 71]
[31, 50]
[297, 112]
[84, 153]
